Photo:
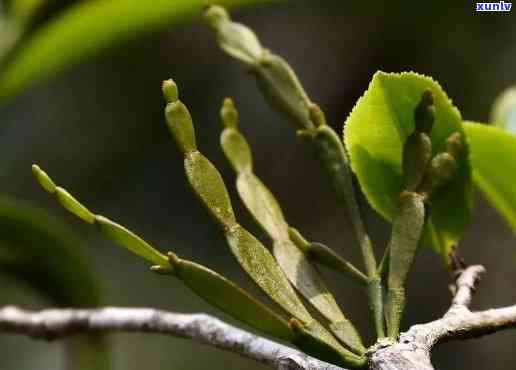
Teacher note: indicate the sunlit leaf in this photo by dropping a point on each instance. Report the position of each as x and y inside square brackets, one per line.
[374, 134]
[87, 28]
[503, 114]
[493, 158]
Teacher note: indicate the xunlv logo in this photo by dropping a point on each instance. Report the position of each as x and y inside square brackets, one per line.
[494, 7]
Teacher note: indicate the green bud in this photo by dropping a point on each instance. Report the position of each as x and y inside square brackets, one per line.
[417, 152]
[441, 170]
[229, 114]
[424, 113]
[44, 180]
[181, 126]
[454, 144]
[170, 91]
[317, 115]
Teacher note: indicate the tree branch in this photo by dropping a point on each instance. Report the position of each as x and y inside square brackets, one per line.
[410, 352]
[59, 323]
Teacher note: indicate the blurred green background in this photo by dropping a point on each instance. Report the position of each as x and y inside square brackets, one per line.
[98, 128]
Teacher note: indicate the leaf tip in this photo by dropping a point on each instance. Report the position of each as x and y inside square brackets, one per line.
[44, 180]
[170, 90]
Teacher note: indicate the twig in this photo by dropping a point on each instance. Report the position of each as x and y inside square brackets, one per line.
[59, 323]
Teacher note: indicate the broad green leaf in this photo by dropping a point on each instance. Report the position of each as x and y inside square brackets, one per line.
[87, 28]
[375, 132]
[266, 210]
[493, 158]
[44, 254]
[503, 114]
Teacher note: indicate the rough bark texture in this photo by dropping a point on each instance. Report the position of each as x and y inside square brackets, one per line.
[410, 352]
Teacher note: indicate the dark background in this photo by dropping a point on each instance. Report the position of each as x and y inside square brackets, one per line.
[99, 130]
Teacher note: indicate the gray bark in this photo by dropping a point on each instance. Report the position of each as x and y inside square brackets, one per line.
[410, 352]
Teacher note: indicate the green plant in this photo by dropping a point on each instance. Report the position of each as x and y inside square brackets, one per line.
[414, 159]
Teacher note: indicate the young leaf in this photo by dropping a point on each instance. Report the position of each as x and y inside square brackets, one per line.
[252, 255]
[110, 229]
[375, 133]
[36, 58]
[264, 207]
[211, 286]
[494, 169]
[503, 113]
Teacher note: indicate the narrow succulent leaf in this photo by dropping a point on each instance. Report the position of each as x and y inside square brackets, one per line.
[407, 229]
[257, 261]
[35, 59]
[323, 255]
[228, 297]
[276, 79]
[494, 169]
[112, 230]
[73, 205]
[208, 284]
[333, 156]
[180, 124]
[229, 114]
[252, 255]
[207, 183]
[236, 150]
[503, 113]
[375, 133]
[266, 210]
[283, 90]
[124, 237]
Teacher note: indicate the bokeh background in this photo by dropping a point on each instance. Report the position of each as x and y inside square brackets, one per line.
[99, 130]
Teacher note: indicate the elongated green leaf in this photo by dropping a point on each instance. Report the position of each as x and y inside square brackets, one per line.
[211, 286]
[110, 229]
[493, 153]
[227, 296]
[375, 133]
[407, 227]
[325, 256]
[87, 28]
[264, 207]
[252, 255]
